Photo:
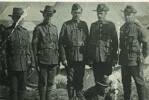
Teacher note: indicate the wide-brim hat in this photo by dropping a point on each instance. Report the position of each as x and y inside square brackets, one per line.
[129, 9]
[102, 7]
[17, 12]
[48, 9]
[76, 6]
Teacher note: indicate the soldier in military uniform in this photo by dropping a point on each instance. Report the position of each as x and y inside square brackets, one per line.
[2, 55]
[2, 28]
[102, 51]
[45, 48]
[132, 46]
[17, 51]
[73, 39]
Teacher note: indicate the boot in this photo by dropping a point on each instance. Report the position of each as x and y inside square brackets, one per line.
[141, 92]
[91, 93]
[79, 94]
[71, 93]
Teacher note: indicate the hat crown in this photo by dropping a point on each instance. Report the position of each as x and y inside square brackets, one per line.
[17, 11]
[130, 9]
[76, 6]
[102, 7]
[48, 9]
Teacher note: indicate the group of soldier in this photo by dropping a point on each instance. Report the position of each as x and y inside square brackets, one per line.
[75, 47]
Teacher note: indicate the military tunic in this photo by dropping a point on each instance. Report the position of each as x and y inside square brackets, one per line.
[45, 43]
[2, 49]
[73, 40]
[103, 42]
[131, 38]
[3, 64]
[17, 48]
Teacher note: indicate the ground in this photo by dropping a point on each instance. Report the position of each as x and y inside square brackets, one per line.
[60, 92]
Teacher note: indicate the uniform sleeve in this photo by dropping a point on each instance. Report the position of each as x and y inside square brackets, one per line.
[121, 38]
[86, 39]
[30, 56]
[87, 33]
[61, 43]
[57, 38]
[88, 55]
[91, 31]
[114, 43]
[3, 49]
[143, 39]
[3, 60]
[35, 40]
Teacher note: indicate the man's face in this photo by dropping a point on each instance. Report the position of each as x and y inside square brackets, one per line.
[101, 15]
[15, 18]
[47, 16]
[129, 17]
[76, 14]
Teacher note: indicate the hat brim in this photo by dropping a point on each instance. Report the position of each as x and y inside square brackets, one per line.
[10, 15]
[129, 12]
[94, 10]
[14, 15]
[54, 11]
[100, 11]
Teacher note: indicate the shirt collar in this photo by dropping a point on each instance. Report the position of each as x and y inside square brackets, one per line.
[49, 24]
[102, 22]
[76, 21]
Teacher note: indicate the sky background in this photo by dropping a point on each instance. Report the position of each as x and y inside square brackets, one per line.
[64, 11]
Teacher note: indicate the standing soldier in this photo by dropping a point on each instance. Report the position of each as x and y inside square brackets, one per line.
[2, 55]
[45, 48]
[73, 38]
[102, 51]
[132, 45]
[2, 29]
[17, 52]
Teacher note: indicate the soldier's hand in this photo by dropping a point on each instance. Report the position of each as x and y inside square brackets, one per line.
[65, 63]
[38, 69]
[114, 62]
[32, 68]
[29, 62]
[6, 72]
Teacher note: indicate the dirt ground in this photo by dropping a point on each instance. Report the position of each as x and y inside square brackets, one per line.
[60, 92]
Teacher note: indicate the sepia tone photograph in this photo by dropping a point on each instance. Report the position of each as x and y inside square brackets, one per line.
[74, 50]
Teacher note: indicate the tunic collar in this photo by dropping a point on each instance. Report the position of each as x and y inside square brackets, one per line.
[49, 24]
[76, 21]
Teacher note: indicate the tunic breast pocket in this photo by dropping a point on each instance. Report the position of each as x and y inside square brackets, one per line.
[73, 36]
[53, 37]
[106, 44]
[24, 41]
[133, 43]
[45, 38]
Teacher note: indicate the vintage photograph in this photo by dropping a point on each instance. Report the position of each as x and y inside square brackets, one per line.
[74, 50]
